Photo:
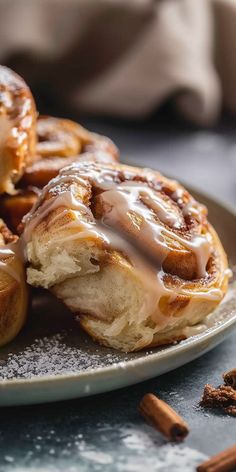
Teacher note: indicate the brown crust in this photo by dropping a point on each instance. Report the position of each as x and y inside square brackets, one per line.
[59, 137]
[71, 143]
[14, 207]
[17, 107]
[13, 289]
[61, 143]
[43, 170]
[88, 184]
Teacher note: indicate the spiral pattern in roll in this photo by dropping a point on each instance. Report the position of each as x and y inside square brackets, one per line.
[62, 142]
[127, 249]
[17, 129]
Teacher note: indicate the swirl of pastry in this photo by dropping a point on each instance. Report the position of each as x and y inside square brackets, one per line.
[128, 250]
[61, 136]
[13, 289]
[62, 142]
[17, 128]
[58, 137]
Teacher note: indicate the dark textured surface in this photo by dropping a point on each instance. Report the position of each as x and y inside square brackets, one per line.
[105, 433]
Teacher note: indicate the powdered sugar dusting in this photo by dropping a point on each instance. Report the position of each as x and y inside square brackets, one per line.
[41, 351]
[97, 456]
[35, 469]
[153, 456]
[52, 356]
[168, 457]
[137, 449]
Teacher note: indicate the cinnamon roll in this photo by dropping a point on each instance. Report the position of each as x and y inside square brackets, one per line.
[127, 250]
[59, 143]
[14, 207]
[13, 290]
[17, 129]
[62, 142]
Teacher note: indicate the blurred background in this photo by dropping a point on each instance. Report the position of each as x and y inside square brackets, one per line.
[157, 76]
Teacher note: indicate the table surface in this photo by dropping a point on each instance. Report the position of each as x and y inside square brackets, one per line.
[105, 432]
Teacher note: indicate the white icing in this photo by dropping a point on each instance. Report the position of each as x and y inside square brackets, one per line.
[65, 199]
[146, 214]
[123, 200]
[127, 198]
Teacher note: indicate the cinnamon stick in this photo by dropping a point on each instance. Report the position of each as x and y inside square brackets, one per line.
[160, 415]
[225, 461]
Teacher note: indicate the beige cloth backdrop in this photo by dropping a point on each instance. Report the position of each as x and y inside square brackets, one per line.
[126, 57]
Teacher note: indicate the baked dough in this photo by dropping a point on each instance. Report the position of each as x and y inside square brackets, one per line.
[17, 129]
[129, 251]
[13, 289]
[62, 142]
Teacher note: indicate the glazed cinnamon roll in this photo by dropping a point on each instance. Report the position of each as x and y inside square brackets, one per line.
[59, 143]
[62, 142]
[127, 250]
[35, 148]
[17, 129]
[64, 138]
[13, 290]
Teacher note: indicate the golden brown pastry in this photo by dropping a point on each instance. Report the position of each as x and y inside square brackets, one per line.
[43, 170]
[62, 142]
[129, 251]
[13, 290]
[59, 143]
[14, 207]
[17, 129]
[64, 138]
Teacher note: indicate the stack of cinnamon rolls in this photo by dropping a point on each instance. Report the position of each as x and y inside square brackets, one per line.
[130, 252]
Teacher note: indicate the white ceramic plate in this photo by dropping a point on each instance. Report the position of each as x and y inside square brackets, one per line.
[53, 360]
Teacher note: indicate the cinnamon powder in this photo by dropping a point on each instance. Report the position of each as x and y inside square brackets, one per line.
[224, 396]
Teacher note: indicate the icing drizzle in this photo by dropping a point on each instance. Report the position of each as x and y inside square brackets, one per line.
[139, 208]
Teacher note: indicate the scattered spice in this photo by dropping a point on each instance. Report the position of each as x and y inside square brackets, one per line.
[230, 378]
[223, 396]
[225, 461]
[160, 415]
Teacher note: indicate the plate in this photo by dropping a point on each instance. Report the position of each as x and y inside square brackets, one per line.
[52, 359]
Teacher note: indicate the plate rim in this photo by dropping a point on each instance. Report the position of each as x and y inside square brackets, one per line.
[169, 352]
[193, 341]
